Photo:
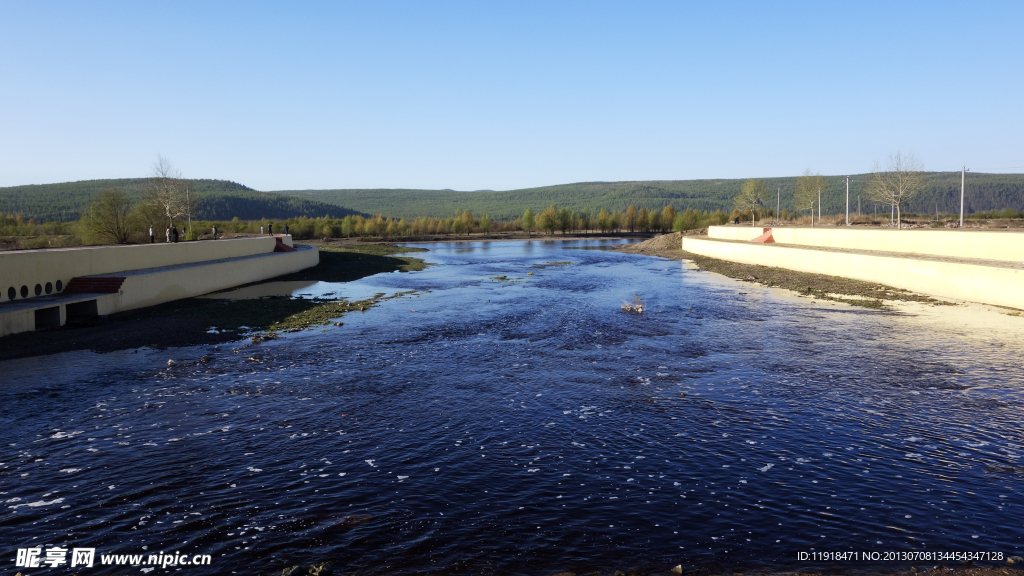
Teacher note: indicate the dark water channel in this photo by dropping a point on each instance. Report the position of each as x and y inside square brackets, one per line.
[528, 426]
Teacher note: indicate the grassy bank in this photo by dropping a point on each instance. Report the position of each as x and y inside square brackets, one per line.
[820, 286]
[188, 322]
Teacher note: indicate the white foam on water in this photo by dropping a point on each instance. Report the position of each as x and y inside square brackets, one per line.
[38, 503]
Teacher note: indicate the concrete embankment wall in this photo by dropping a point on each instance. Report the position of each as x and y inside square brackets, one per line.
[1006, 246]
[152, 274]
[1000, 285]
[24, 318]
[152, 287]
[28, 268]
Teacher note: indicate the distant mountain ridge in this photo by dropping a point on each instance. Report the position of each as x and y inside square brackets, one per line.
[221, 200]
[942, 192]
[224, 199]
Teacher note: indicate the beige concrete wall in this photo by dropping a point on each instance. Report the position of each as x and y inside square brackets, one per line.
[1005, 246]
[999, 285]
[152, 288]
[30, 267]
[741, 233]
[156, 286]
[17, 321]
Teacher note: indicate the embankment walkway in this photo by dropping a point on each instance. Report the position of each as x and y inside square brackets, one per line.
[986, 267]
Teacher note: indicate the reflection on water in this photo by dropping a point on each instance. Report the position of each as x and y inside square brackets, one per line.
[517, 427]
[304, 289]
[262, 290]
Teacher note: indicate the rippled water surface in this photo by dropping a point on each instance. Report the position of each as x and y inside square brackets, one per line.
[526, 425]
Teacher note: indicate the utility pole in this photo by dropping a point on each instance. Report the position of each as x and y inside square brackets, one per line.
[858, 204]
[847, 200]
[963, 172]
[819, 205]
[778, 203]
[188, 205]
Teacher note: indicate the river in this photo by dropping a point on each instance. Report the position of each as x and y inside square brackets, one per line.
[527, 425]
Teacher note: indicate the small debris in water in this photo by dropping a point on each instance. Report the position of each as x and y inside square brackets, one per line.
[637, 305]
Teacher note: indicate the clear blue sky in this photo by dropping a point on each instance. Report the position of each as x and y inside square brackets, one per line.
[502, 95]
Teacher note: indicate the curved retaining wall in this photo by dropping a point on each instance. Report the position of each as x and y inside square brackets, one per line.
[29, 268]
[175, 272]
[985, 245]
[150, 287]
[1002, 285]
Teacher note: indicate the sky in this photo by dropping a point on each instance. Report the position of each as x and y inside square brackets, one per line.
[504, 95]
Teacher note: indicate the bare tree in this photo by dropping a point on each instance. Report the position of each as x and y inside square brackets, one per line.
[166, 190]
[752, 196]
[901, 180]
[807, 195]
[108, 218]
[192, 206]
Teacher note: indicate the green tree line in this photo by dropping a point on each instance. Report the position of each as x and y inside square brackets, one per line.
[115, 218]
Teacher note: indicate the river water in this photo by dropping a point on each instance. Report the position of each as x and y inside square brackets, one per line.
[526, 425]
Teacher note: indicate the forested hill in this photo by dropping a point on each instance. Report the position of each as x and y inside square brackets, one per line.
[223, 199]
[984, 192]
[220, 200]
